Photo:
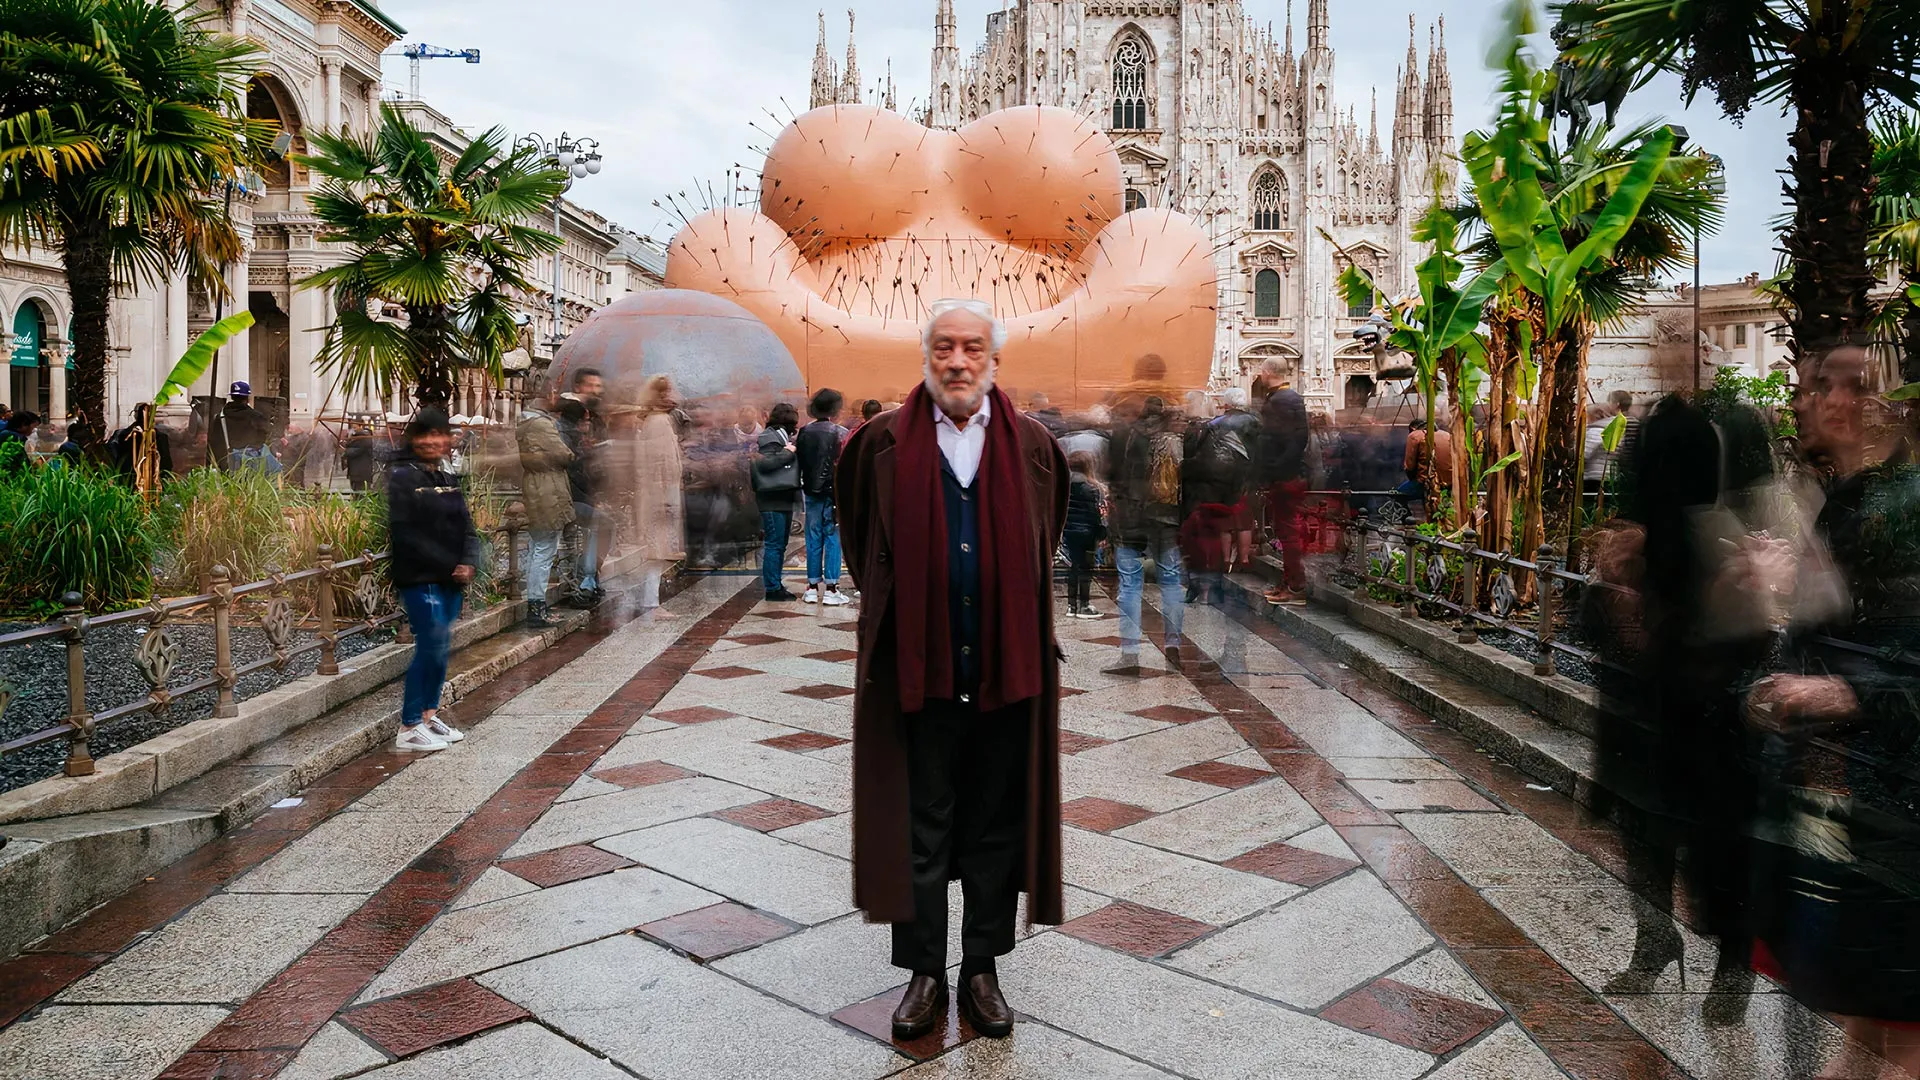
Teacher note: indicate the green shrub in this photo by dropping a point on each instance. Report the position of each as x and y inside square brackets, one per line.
[73, 530]
[237, 520]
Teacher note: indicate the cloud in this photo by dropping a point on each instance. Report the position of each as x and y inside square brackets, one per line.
[672, 87]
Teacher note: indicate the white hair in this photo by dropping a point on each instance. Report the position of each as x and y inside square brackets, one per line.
[980, 308]
[1236, 397]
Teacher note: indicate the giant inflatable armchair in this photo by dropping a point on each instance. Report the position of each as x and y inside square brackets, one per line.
[866, 218]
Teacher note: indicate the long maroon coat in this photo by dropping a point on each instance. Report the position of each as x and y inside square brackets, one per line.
[882, 854]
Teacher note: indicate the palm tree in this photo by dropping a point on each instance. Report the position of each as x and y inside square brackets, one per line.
[121, 127]
[1894, 244]
[1577, 180]
[1828, 62]
[441, 240]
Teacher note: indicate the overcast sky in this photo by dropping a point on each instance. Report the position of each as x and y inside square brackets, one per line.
[670, 87]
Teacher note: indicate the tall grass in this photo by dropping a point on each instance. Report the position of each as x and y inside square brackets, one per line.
[73, 530]
[237, 520]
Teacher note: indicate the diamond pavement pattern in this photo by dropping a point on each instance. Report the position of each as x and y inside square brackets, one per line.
[724, 941]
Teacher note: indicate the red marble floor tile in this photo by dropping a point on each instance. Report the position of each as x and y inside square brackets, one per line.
[1458, 915]
[802, 741]
[1072, 742]
[1171, 714]
[1416, 1018]
[770, 814]
[645, 774]
[850, 626]
[1266, 736]
[230, 1065]
[833, 656]
[778, 615]
[1394, 854]
[1111, 640]
[31, 978]
[822, 692]
[439, 1014]
[1221, 774]
[755, 639]
[1296, 866]
[693, 714]
[1102, 815]
[874, 1017]
[1068, 691]
[1142, 931]
[728, 671]
[561, 865]
[1613, 1061]
[713, 932]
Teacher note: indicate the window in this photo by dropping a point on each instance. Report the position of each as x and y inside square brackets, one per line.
[1266, 295]
[1269, 202]
[1740, 335]
[1362, 309]
[1135, 200]
[1130, 87]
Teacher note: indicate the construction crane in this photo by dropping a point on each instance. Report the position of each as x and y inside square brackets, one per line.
[419, 52]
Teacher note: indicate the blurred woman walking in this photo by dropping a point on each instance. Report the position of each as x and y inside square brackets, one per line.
[435, 550]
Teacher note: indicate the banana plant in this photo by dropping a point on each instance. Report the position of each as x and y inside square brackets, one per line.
[1441, 318]
[1506, 164]
[192, 365]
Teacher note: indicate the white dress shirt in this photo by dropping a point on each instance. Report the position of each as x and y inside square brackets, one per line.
[963, 448]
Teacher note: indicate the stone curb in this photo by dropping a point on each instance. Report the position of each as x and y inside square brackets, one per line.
[55, 869]
[1486, 694]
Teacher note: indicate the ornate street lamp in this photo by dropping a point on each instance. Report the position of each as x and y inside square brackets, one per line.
[579, 158]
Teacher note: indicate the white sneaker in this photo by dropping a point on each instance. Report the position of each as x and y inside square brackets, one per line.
[418, 738]
[1090, 613]
[835, 598]
[441, 730]
[812, 596]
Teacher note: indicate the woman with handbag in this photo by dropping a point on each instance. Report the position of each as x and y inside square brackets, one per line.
[776, 489]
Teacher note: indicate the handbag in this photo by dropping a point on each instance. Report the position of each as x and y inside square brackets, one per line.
[771, 479]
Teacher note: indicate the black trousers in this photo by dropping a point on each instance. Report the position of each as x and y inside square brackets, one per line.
[966, 790]
[1079, 572]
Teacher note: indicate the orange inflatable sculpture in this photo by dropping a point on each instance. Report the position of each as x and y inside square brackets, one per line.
[866, 218]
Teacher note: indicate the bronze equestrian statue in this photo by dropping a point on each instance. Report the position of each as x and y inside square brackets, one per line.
[1581, 83]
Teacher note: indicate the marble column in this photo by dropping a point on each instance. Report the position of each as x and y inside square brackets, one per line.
[56, 351]
[306, 318]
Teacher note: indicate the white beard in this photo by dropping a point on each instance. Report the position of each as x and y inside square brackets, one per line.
[939, 394]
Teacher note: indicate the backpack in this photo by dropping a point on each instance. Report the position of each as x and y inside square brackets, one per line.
[1163, 469]
[1223, 459]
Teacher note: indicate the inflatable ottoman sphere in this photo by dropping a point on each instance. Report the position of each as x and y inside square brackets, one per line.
[712, 348]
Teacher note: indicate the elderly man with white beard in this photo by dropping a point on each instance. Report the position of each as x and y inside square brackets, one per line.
[950, 508]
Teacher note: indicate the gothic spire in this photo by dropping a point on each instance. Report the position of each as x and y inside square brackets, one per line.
[1409, 110]
[1439, 117]
[825, 80]
[850, 78]
[1289, 33]
[1373, 127]
[1317, 24]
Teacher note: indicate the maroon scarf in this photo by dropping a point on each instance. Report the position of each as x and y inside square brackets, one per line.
[1010, 622]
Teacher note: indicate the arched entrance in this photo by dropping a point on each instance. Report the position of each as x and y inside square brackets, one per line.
[267, 346]
[29, 383]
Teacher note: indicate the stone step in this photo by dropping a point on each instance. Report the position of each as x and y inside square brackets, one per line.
[56, 869]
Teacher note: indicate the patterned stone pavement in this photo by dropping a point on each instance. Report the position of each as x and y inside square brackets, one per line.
[637, 866]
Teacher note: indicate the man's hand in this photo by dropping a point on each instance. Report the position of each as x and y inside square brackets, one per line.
[1780, 700]
[462, 574]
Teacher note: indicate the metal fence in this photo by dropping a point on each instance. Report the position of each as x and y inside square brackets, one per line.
[335, 601]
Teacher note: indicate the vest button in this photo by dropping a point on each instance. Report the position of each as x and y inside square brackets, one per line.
[966, 549]
[966, 650]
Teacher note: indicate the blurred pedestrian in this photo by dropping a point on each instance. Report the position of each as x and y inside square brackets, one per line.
[15, 453]
[952, 506]
[323, 457]
[237, 438]
[1086, 529]
[776, 492]
[1428, 457]
[73, 449]
[1041, 408]
[128, 446]
[577, 431]
[819, 450]
[1283, 474]
[547, 498]
[357, 456]
[661, 537]
[1143, 476]
[435, 551]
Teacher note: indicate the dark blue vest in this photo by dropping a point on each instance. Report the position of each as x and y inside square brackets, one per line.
[963, 578]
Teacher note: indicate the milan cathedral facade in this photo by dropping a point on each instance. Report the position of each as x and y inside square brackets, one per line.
[1216, 118]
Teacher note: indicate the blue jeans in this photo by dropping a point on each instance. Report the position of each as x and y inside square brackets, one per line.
[823, 539]
[588, 569]
[1133, 580]
[776, 524]
[431, 611]
[543, 546]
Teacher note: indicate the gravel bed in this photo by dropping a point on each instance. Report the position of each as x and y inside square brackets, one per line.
[38, 674]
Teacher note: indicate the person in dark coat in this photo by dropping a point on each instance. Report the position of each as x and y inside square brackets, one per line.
[238, 436]
[818, 446]
[357, 456]
[1282, 466]
[1086, 527]
[435, 551]
[951, 508]
[129, 445]
[776, 493]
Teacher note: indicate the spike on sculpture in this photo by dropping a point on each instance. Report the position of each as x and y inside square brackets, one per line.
[896, 216]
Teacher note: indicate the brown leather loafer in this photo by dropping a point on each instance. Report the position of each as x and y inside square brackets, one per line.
[923, 1006]
[985, 1007]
